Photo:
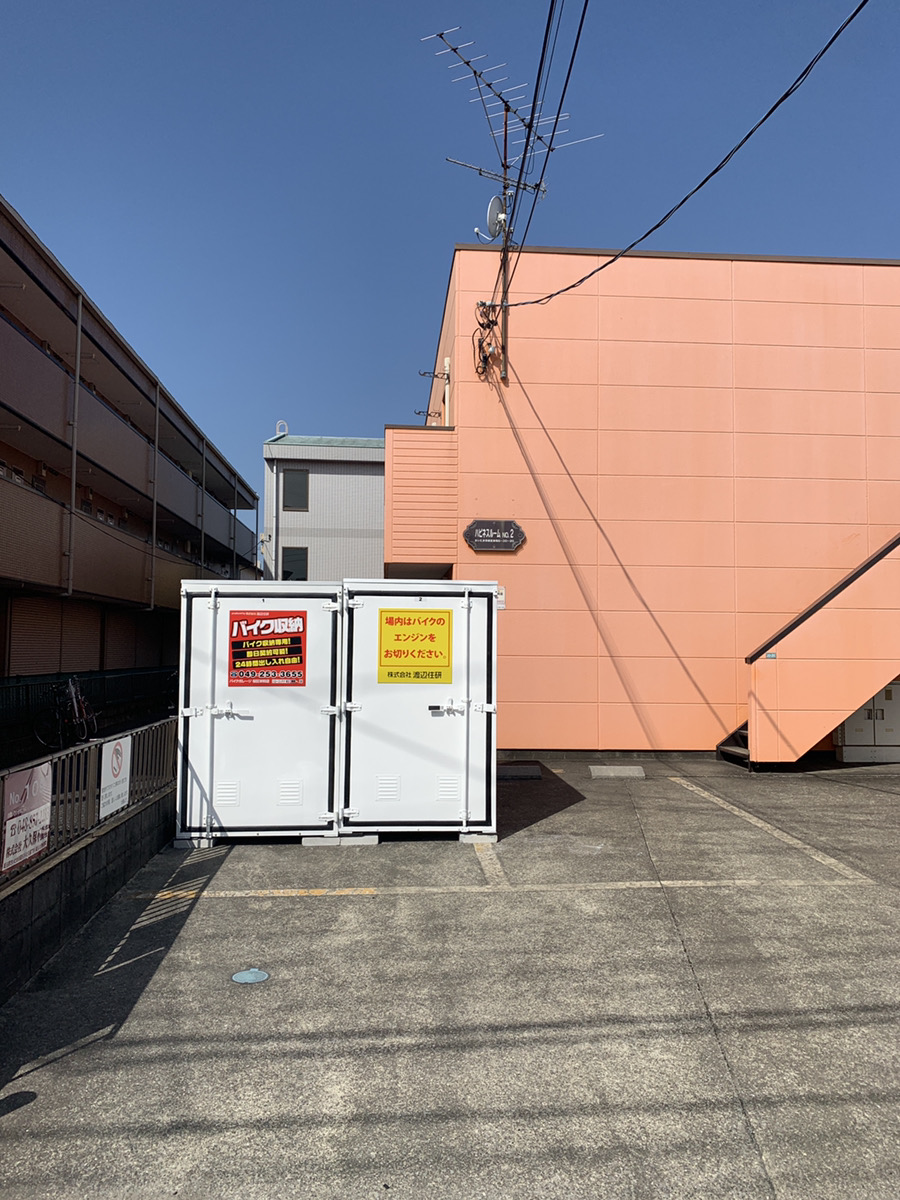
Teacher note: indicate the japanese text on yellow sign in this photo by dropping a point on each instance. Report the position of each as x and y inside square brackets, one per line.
[415, 645]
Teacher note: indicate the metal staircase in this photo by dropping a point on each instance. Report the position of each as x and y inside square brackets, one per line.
[736, 748]
[853, 632]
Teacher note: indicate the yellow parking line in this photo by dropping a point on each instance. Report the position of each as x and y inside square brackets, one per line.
[488, 889]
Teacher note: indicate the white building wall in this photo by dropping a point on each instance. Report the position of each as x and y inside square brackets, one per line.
[343, 529]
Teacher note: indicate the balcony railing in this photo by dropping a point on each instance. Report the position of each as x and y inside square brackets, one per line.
[38, 387]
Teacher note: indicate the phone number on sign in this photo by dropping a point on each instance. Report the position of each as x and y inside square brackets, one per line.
[287, 676]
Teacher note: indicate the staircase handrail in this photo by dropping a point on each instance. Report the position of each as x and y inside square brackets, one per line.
[825, 598]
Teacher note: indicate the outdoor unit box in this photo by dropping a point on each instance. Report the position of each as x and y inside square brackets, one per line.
[872, 733]
[325, 709]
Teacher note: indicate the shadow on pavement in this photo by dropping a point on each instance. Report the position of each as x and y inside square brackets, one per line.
[85, 992]
[525, 802]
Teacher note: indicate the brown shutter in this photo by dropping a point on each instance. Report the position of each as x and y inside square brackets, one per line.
[148, 647]
[120, 640]
[80, 636]
[35, 635]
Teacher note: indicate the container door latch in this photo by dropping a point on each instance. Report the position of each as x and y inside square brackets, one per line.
[228, 711]
[450, 707]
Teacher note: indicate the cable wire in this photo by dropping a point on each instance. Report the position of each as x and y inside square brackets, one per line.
[562, 100]
[526, 161]
[540, 87]
[801, 79]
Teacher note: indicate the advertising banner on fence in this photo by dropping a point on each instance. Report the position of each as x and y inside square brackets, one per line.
[115, 775]
[415, 645]
[267, 649]
[26, 815]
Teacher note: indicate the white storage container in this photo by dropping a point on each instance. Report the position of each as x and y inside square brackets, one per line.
[332, 710]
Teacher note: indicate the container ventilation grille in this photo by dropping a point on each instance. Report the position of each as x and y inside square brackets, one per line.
[387, 789]
[290, 791]
[227, 793]
[449, 788]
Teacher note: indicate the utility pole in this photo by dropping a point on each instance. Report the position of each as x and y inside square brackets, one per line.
[504, 257]
[523, 121]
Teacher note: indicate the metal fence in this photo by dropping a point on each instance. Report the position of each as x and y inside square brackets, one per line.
[32, 834]
[119, 698]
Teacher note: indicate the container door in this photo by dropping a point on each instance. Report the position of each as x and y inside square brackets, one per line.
[419, 698]
[887, 716]
[259, 722]
[859, 729]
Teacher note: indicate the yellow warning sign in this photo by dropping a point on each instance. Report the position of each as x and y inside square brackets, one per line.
[415, 645]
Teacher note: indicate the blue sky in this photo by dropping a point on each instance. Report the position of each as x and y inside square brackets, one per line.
[256, 194]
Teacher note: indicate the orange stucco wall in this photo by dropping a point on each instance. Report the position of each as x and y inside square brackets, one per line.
[696, 449]
[854, 640]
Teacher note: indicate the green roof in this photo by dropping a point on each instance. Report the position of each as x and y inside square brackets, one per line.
[289, 439]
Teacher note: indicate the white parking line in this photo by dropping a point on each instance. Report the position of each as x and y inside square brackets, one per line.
[491, 865]
[825, 859]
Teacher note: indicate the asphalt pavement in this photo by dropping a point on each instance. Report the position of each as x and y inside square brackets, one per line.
[677, 985]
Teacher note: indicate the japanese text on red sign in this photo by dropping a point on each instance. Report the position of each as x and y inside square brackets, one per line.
[267, 649]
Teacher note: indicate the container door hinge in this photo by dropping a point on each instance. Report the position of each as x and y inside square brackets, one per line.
[356, 604]
[352, 707]
[350, 812]
[330, 606]
[485, 708]
[193, 712]
[329, 710]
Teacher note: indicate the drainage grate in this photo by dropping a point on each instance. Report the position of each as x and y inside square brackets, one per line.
[509, 771]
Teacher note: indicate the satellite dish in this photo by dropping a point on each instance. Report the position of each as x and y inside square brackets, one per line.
[496, 216]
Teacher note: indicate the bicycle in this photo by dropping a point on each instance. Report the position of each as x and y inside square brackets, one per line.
[70, 721]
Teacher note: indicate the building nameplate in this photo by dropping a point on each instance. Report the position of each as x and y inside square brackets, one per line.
[494, 534]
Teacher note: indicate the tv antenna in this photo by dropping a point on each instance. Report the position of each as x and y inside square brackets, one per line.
[521, 132]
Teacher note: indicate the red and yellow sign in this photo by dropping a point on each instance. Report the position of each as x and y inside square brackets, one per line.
[267, 649]
[415, 645]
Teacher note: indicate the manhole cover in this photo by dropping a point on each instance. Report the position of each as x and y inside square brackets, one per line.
[254, 975]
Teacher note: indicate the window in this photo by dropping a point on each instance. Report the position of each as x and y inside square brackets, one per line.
[296, 490]
[294, 562]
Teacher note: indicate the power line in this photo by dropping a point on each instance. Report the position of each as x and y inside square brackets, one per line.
[548, 49]
[540, 89]
[562, 100]
[801, 79]
[542, 83]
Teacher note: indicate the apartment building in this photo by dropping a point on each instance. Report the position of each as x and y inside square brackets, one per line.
[699, 459]
[110, 494]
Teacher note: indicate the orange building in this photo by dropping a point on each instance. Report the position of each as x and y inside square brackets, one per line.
[703, 453]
